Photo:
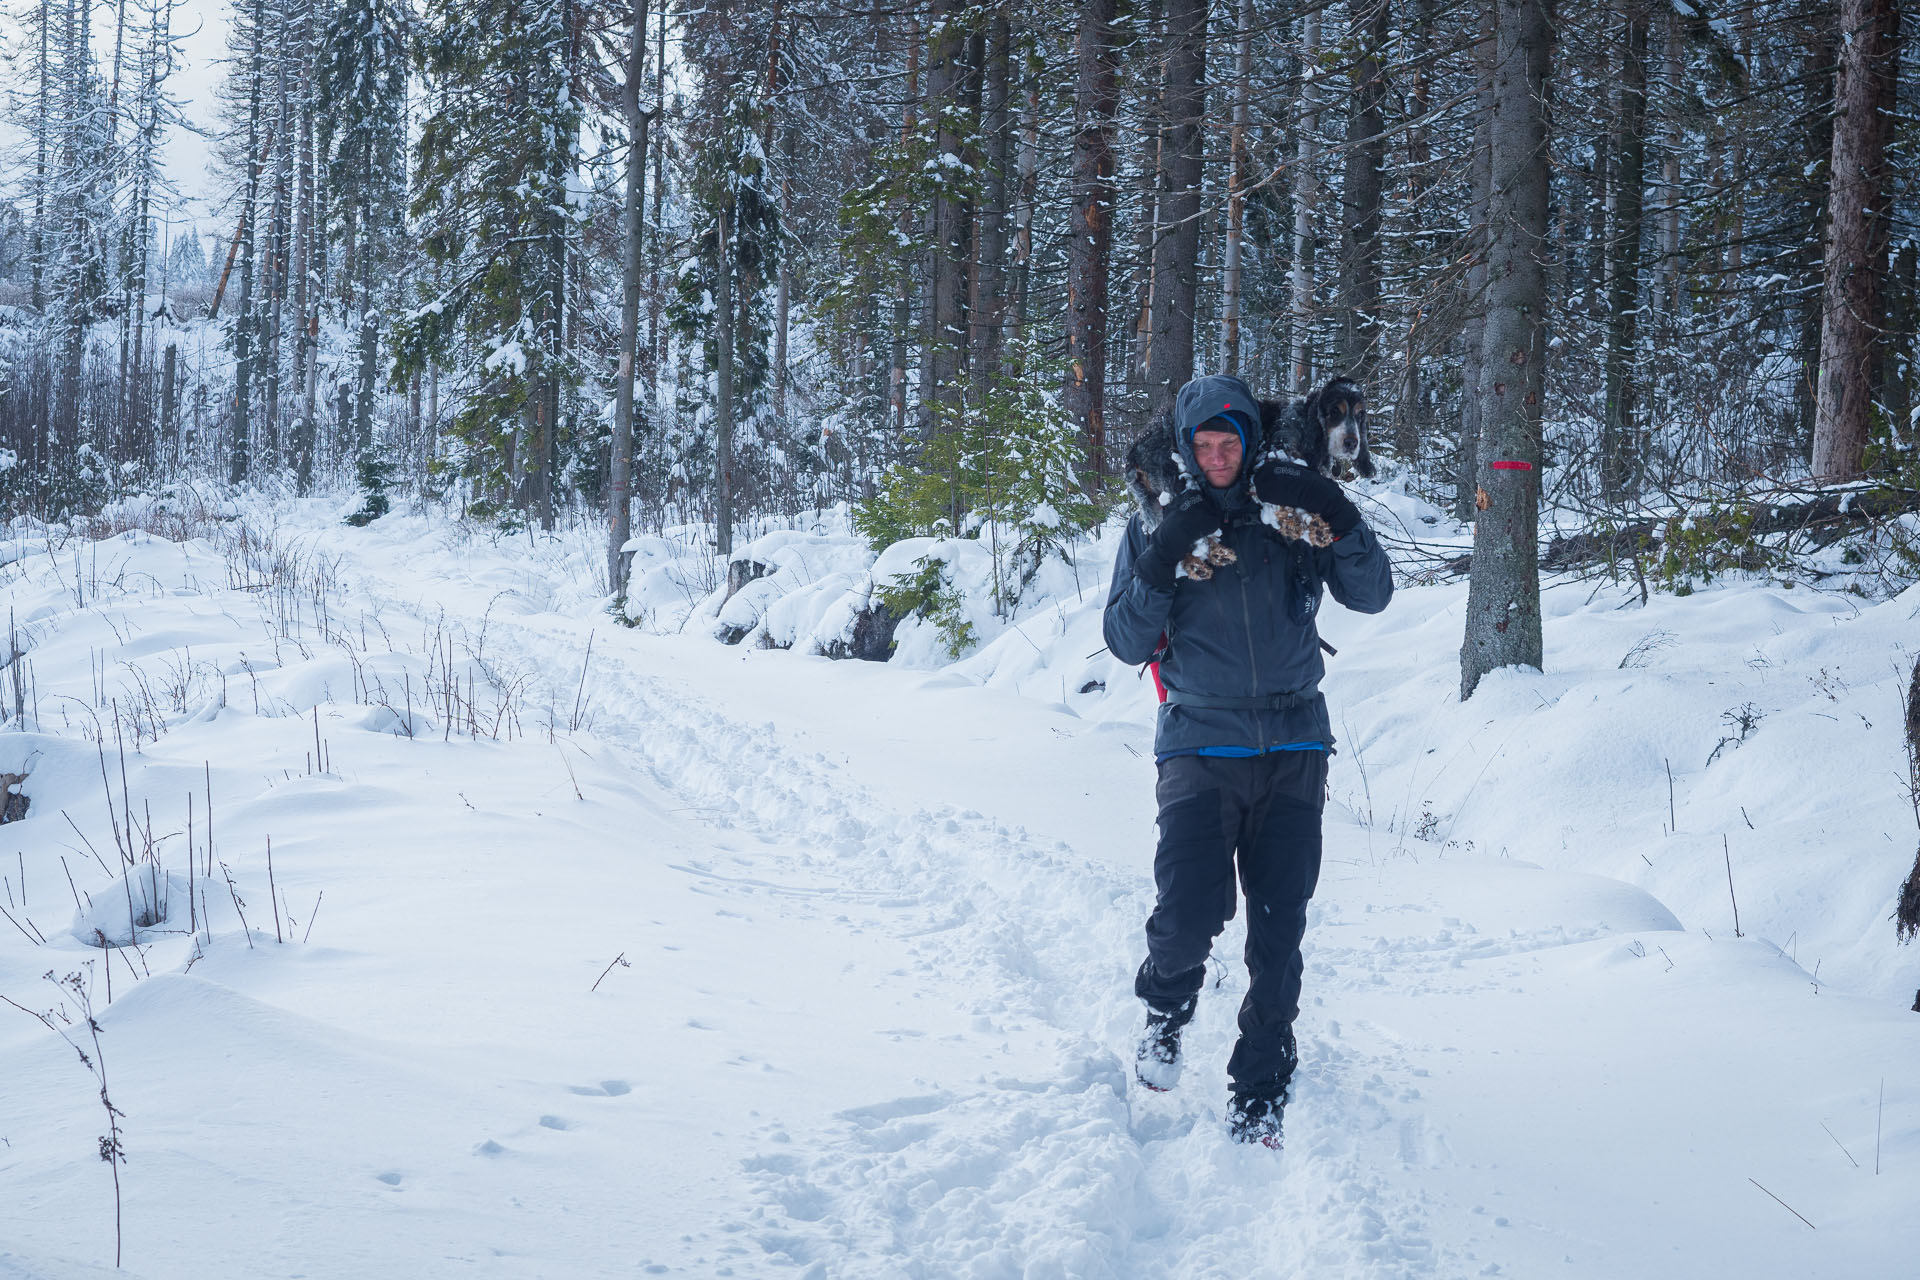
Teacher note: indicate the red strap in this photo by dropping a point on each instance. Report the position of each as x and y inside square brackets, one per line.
[1158, 688]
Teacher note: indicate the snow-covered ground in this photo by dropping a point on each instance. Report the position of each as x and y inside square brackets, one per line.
[863, 935]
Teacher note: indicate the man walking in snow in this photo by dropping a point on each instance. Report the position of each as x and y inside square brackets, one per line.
[1243, 734]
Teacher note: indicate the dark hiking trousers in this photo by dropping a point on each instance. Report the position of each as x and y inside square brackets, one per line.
[1264, 812]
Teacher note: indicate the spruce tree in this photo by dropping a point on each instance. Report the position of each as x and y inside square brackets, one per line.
[722, 296]
[362, 118]
[497, 155]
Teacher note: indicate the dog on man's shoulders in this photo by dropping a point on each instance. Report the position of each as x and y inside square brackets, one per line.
[1325, 432]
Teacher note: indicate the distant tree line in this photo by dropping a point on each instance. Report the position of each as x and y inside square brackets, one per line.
[718, 261]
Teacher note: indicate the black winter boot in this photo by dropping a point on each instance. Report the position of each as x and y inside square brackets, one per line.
[1254, 1116]
[1156, 1063]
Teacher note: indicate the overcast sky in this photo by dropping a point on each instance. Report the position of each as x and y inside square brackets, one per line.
[201, 26]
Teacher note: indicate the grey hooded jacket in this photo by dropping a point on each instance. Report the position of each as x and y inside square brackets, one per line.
[1247, 632]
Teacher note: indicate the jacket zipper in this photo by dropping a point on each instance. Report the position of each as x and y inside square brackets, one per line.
[1253, 660]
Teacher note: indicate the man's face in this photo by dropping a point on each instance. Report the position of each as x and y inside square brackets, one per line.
[1218, 453]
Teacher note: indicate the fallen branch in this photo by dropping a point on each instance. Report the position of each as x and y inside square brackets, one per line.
[1830, 511]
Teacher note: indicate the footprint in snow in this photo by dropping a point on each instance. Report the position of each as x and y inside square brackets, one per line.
[605, 1089]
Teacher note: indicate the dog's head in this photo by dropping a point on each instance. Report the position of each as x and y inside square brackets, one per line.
[1336, 420]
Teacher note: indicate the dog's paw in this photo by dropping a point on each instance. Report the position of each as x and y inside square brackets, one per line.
[1210, 551]
[1288, 522]
[1195, 567]
[1296, 525]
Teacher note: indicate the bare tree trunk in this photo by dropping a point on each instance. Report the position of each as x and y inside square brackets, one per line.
[277, 242]
[1148, 48]
[1306, 195]
[1176, 250]
[1237, 179]
[783, 287]
[620, 499]
[169, 364]
[1413, 414]
[1816, 138]
[242, 444]
[1619, 442]
[903, 299]
[1090, 228]
[723, 409]
[656, 335]
[987, 300]
[1676, 139]
[42, 150]
[1856, 259]
[1474, 328]
[305, 296]
[1360, 223]
[1737, 186]
[1027, 167]
[946, 255]
[1503, 598]
[770, 121]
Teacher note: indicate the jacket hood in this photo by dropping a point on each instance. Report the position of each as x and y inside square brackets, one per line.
[1217, 396]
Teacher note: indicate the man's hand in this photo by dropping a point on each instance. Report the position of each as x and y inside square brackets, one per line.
[1188, 518]
[1286, 484]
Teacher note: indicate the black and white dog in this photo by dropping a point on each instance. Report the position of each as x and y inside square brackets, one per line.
[1325, 431]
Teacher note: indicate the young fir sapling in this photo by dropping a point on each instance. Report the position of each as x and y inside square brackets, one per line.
[1906, 914]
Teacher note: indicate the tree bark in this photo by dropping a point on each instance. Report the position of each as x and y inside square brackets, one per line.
[946, 254]
[1360, 221]
[42, 152]
[1090, 228]
[305, 302]
[987, 295]
[242, 446]
[1237, 179]
[1152, 136]
[1856, 259]
[1176, 250]
[620, 464]
[1474, 328]
[769, 127]
[1503, 599]
[903, 299]
[1027, 169]
[278, 238]
[1816, 140]
[1619, 442]
[723, 408]
[1306, 196]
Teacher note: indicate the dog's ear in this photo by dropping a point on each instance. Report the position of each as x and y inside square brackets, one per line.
[1273, 414]
[1312, 439]
[1363, 461]
[1139, 475]
[1145, 501]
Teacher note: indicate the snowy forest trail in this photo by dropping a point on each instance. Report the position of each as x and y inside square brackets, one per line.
[875, 1018]
[1487, 1050]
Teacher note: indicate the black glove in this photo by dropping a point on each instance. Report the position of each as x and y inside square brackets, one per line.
[1286, 484]
[1187, 519]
